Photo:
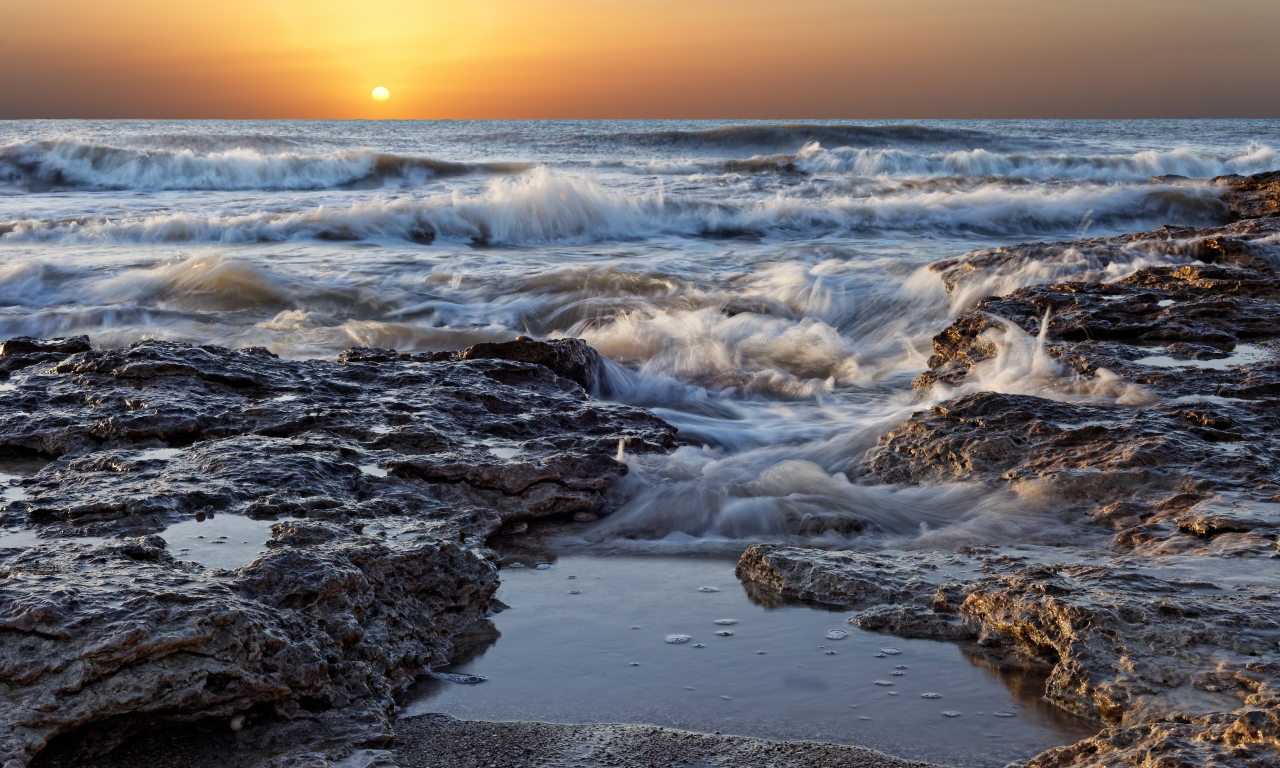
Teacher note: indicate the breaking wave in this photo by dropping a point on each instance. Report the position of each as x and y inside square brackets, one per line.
[795, 135]
[978, 164]
[78, 164]
[544, 207]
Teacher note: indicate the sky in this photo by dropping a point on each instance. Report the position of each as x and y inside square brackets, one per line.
[609, 59]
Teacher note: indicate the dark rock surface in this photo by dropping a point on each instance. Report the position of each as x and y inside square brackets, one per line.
[1134, 380]
[1249, 739]
[1251, 197]
[1157, 385]
[384, 475]
[1127, 645]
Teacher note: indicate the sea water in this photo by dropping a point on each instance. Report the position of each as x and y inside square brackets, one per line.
[764, 287]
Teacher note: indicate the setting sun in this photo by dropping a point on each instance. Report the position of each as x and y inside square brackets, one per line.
[381, 94]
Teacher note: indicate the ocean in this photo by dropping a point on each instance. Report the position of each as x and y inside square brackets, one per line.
[764, 287]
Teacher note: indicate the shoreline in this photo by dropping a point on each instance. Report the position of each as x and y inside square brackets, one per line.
[303, 645]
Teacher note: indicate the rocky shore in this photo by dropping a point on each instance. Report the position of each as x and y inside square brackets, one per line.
[1154, 431]
[1146, 411]
[384, 473]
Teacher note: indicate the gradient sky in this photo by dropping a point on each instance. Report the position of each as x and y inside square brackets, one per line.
[628, 58]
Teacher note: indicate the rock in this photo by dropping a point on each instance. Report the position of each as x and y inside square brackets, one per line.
[130, 636]
[1115, 425]
[1126, 645]
[572, 359]
[24, 351]
[1248, 739]
[1251, 197]
[379, 475]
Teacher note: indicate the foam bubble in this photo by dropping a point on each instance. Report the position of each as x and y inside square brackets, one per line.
[677, 639]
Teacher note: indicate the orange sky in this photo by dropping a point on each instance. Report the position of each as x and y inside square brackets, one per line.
[625, 58]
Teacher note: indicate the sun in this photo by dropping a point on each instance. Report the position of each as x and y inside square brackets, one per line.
[381, 94]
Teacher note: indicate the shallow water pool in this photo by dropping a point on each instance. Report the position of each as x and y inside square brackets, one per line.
[585, 641]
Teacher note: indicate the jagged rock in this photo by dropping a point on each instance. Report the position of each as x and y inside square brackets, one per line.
[380, 473]
[1247, 739]
[281, 437]
[123, 635]
[1129, 422]
[24, 351]
[985, 272]
[1127, 646]
[1251, 197]
[572, 359]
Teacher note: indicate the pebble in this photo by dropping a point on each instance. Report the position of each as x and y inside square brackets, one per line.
[699, 645]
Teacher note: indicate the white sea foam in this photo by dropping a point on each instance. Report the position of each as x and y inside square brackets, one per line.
[544, 206]
[238, 163]
[774, 307]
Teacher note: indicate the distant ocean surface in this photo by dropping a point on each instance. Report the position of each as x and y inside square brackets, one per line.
[759, 285]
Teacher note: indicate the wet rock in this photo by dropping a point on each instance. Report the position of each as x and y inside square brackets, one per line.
[1089, 454]
[380, 473]
[124, 635]
[24, 351]
[833, 577]
[572, 359]
[1153, 385]
[1126, 645]
[1248, 739]
[1251, 197]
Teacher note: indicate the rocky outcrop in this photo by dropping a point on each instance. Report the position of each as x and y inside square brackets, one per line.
[1154, 386]
[572, 359]
[383, 473]
[1251, 197]
[111, 638]
[1127, 646]
[1249, 739]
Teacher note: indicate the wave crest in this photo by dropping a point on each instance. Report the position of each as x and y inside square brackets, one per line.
[80, 164]
[543, 207]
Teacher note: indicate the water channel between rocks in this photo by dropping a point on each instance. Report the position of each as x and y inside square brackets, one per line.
[585, 641]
